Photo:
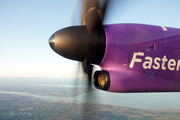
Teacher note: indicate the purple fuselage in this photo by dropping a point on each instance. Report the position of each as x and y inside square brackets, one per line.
[142, 58]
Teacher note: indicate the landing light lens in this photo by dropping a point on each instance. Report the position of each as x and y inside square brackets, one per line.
[101, 80]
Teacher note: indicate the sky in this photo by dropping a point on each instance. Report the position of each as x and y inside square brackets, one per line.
[26, 25]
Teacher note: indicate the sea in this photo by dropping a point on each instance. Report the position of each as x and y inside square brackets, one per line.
[134, 100]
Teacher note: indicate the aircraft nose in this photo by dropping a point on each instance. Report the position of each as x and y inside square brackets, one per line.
[52, 41]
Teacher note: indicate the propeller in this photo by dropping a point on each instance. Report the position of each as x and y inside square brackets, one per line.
[92, 18]
[85, 43]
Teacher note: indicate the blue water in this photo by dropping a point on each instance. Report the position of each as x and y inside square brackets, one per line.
[136, 100]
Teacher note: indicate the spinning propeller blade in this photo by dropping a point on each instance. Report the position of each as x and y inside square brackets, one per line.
[85, 43]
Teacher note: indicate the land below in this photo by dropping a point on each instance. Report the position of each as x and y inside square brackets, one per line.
[20, 107]
[14, 106]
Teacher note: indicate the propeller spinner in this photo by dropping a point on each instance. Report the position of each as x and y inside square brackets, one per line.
[75, 43]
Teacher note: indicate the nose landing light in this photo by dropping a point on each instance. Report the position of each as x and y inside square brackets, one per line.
[102, 80]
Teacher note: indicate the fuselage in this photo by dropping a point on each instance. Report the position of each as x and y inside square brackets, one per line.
[142, 58]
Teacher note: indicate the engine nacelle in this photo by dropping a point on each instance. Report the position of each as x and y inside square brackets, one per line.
[102, 80]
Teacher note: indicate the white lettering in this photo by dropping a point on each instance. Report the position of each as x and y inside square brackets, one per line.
[163, 62]
[156, 62]
[171, 64]
[178, 65]
[147, 64]
[134, 59]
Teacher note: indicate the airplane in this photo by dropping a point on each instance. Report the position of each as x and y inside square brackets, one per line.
[133, 57]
